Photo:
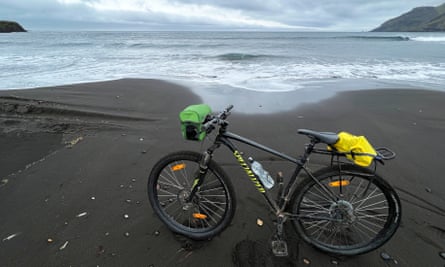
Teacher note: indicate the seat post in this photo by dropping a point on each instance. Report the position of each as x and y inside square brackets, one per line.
[308, 150]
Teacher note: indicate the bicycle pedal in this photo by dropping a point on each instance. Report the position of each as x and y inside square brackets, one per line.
[279, 248]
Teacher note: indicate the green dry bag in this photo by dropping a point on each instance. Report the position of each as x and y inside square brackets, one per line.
[192, 118]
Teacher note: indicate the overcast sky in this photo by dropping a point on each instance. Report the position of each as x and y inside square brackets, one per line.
[293, 15]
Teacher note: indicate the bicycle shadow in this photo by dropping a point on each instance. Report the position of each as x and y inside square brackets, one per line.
[250, 252]
[188, 244]
[253, 253]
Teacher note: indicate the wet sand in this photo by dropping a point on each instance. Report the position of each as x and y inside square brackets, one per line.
[75, 160]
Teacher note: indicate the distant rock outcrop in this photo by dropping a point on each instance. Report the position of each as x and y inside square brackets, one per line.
[10, 26]
[420, 19]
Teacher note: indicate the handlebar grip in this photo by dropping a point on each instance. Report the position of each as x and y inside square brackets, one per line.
[207, 125]
[223, 115]
[218, 119]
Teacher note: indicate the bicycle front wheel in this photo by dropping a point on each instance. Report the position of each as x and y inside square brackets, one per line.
[169, 186]
[362, 213]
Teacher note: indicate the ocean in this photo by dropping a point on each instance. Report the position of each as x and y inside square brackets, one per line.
[252, 61]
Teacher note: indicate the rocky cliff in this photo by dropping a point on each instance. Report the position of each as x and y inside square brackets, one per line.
[10, 26]
[420, 19]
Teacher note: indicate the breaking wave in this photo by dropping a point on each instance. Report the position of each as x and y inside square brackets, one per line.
[429, 39]
[240, 56]
[377, 38]
[253, 61]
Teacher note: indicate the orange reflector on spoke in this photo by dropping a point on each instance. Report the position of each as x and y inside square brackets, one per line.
[339, 183]
[199, 216]
[178, 167]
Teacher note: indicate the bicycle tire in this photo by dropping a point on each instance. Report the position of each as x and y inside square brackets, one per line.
[209, 212]
[351, 225]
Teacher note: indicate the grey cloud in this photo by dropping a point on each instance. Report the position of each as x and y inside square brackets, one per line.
[320, 14]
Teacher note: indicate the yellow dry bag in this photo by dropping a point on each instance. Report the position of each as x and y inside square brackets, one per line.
[356, 148]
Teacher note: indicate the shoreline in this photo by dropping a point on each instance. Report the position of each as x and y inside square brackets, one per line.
[269, 101]
[307, 91]
[93, 146]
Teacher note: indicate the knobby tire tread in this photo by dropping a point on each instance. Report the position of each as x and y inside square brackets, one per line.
[219, 173]
[390, 194]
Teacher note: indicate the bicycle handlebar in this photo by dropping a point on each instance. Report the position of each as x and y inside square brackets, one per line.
[218, 119]
[226, 112]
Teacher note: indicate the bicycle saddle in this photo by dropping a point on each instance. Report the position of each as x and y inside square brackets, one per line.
[324, 137]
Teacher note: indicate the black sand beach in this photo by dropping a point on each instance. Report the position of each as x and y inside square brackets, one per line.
[74, 160]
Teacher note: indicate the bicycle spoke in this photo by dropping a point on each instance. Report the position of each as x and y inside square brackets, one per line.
[360, 213]
[168, 193]
[314, 215]
[344, 240]
[331, 236]
[371, 213]
[212, 199]
[210, 181]
[186, 177]
[319, 227]
[168, 182]
[205, 190]
[211, 213]
[373, 210]
[376, 224]
[176, 212]
[372, 205]
[198, 213]
[213, 203]
[315, 205]
[370, 196]
[322, 193]
[360, 233]
[315, 223]
[172, 173]
[354, 195]
[374, 217]
[372, 227]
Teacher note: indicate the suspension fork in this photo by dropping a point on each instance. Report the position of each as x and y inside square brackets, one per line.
[203, 167]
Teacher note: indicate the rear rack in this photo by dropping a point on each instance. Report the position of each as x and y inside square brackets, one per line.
[339, 158]
[385, 153]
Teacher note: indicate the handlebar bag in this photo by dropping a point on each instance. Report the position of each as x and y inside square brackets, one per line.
[356, 148]
[192, 118]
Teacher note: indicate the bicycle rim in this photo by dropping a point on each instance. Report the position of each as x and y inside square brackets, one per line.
[365, 216]
[207, 210]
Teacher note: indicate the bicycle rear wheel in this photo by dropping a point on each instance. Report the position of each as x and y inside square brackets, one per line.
[169, 186]
[364, 215]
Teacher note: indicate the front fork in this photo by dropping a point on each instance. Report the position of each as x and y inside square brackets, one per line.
[199, 179]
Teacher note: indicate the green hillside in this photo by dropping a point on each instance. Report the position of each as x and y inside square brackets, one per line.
[441, 9]
[419, 19]
[437, 24]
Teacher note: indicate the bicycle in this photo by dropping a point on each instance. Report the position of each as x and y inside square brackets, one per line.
[341, 209]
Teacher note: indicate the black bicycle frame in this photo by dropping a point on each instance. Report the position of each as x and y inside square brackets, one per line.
[225, 137]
